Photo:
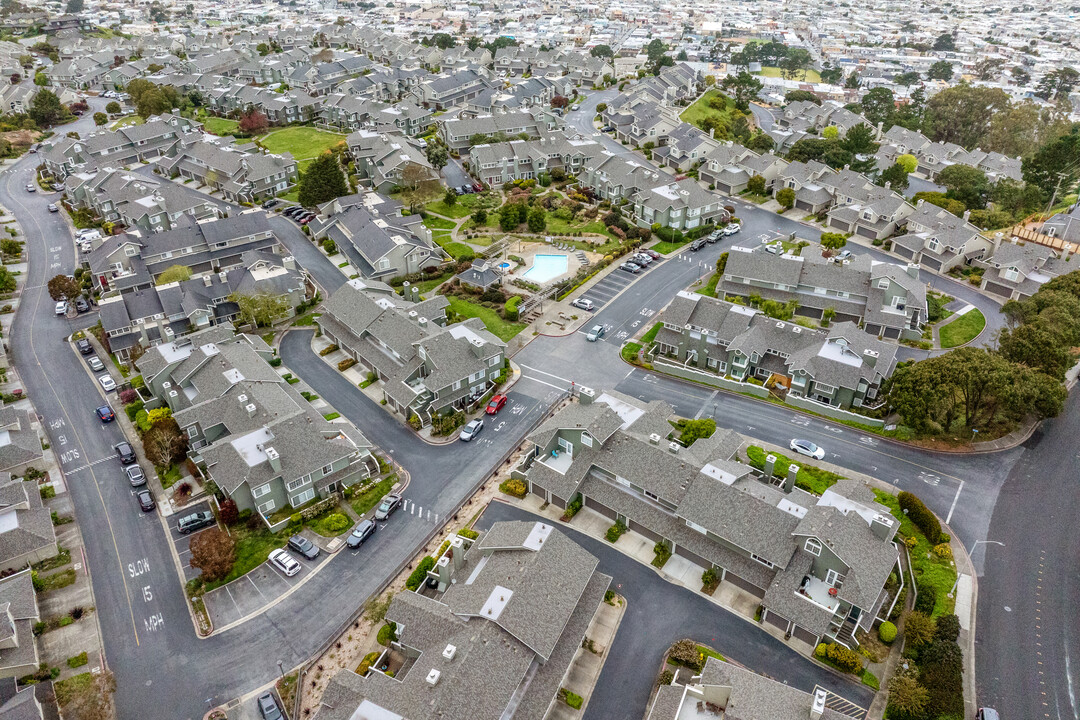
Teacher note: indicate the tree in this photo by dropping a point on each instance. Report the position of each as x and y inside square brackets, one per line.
[11, 248]
[322, 181]
[263, 49]
[41, 79]
[801, 95]
[756, 185]
[443, 41]
[721, 263]
[743, 88]
[602, 51]
[158, 13]
[253, 122]
[601, 107]
[7, 281]
[100, 118]
[896, 176]
[174, 273]
[987, 68]
[967, 184]
[878, 104]
[1020, 75]
[45, 109]
[1020, 129]
[414, 179]
[1053, 166]
[761, 143]
[559, 101]
[227, 512]
[907, 79]
[64, 287]
[693, 430]
[537, 220]
[831, 132]
[15, 78]
[907, 698]
[450, 197]
[786, 198]
[941, 70]
[945, 42]
[682, 56]
[213, 551]
[962, 114]
[655, 49]
[852, 82]
[796, 62]
[164, 443]
[908, 162]
[1057, 83]
[261, 309]
[113, 108]
[833, 241]
[941, 200]
[437, 154]
[832, 75]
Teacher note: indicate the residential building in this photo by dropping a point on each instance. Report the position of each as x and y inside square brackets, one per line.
[16, 704]
[1064, 225]
[240, 175]
[494, 641]
[255, 436]
[820, 565]
[940, 241]
[158, 137]
[382, 157]
[18, 648]
[729, 168]
[425, 366]
[1016, 271]
[27, 536]
[138, 202]
[20, 444]
[682, 205]
[458, 132]
[687, 146]
[841, 367]
[499, 163]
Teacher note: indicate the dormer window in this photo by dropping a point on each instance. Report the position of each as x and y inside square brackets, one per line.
[813, 547]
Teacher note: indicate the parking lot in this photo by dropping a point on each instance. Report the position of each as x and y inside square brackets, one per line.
[614, 283]
[182, 542]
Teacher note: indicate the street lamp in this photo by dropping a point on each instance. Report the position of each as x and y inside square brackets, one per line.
[280, 670]
[973, 546]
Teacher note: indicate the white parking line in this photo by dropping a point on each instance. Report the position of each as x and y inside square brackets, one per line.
[256, 588]
[953, 506]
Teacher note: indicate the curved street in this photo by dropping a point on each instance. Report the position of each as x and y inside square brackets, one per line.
[1027, 638]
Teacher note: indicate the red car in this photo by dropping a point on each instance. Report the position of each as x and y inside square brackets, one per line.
[478, 187]
[496, 404]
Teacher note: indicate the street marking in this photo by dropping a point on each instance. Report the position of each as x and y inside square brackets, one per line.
[953, 506]
[88, 465]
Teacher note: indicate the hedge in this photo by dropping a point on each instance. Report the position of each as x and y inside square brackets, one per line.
[346, 364]
[420, 573]
[514, 487]
[921, 516]
[511, 308]
[840, 656]
[926, 598]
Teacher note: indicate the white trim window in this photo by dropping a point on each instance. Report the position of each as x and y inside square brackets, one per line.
[192, 431]
[813, 547]
[762, 560]
[327, 469]
[303, 497]
[260, 491]
[267, 507]
[298, 483]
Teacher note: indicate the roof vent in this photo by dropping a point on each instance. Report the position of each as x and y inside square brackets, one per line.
[432, 678]
[449, 652]
[242, 398]
[166, 385]
[654, 439]
[250, 407]
[173, 393]
[673, 446]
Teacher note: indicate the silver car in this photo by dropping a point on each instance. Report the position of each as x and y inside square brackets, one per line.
[135, 475]
[472, 429]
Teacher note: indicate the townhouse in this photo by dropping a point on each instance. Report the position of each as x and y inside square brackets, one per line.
[862, 208]
[499, 163]
[888, 300]
[379, 241]
[451, 89]
[493, 640]
[729, 167]
[811, 195]
[938, 240]
[458, 132]
[239, 174]
[1064, 225]
[251, 432]
[534, 92]
[819, 565]
[20, 442]
[617, 177]
[681, 205]
[382, 157]
[138, 202]
[18, 601]
[157, 137]
[1016, 270]
[685, 147]
[426, 367]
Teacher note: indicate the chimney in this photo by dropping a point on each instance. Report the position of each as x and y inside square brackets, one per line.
[415, 294]
[882, 527]
[912, 270]
[997, 243]
[288, 262]
[870, 357]
[770, 465]
[274, 458]
[250, 407]
[888, 184]
[457, 545]
[586, 395]
[967, 214]
[442, 567]
[712, 132]
[920, 203]
[817, 709]
[673, 447]
[406, 290]
[789, 480]
[207, 280]
[654, 439]
[422, 322]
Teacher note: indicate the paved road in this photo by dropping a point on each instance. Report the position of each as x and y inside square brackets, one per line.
[763, 115]
[650, 626]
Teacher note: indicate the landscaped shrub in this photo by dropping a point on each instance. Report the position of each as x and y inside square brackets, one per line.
[663, 554]
[948, 628]
[685, 653]
[227, 512]
[328, 349]
[572, 699]
[468, 533]
[142, 420]
[616, 531]
[513, 486]
[511, 308]
[366, 663]
[921, 516]
[887, 632]
[336, 522]
[133, 409]
[416, 578]
[918, 630]
[709, 577]
[943, 551]
[926, 598]
[387, 633]
[346, 364]
[128, 396]
[572, 508]
[844, 658]
[666, 678]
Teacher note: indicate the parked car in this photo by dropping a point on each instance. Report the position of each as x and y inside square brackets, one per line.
[697, 244]
[472, 429]
[125, 451]
[773, 249]
[62, 307]
[290, 211]
[85, 347]
[986, 713]
[81, 305]
[652, 253]
[595, 333]
[843, 255]
[95, 364]
[146, 500]
[641, 259]
[195, 521]
[30, 187]
[630, 267]
[135, 475]
[386, 508]
[272, 202]
[268, 707]
[807, 448]
[305, 219]
[731, 229]
[284, 562]
[105, 414]
[53, 207]
[305, 547]
[713, 237]
[495, 404]
[478, 186]
[583, 304]
[360, 533]
[107, 383]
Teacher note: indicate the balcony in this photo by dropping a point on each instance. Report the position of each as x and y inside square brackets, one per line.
[558, 460]
[818, 592]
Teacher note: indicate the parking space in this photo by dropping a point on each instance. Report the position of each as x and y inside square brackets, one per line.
[614, 283]
[182, 542]
[249, 709]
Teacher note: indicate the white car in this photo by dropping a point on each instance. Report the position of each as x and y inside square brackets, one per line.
[107, 383]
[807, 448]
[30, 187]
[62, 307]
[583, 303]
[471, 430]
[284, 562]
[731, 229]
[95, 364]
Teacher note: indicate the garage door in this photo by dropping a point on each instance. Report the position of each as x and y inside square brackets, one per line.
[600, 507]
[537, 490]
[692, 557]
[903, 251]
[803, 205]
[639, 528]
[776, 621]
[892, 333]
[866, 232]
[558, 501]
[931, 263]
[1001, 290]
[872, 329]
[805, 635]
[745, 585]
[840, 224]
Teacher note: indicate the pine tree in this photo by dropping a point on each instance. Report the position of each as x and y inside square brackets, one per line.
[322, 181]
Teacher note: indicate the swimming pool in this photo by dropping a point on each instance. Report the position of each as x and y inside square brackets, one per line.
[546, 267]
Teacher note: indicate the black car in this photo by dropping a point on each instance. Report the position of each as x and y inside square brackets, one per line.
[697, 244]
[294, 211]
[362, 532]
[305, 547]
[268, 707]
[125, 451]
[146, 500]
[105, 414]
[81, 306]
[270, 203]
[85, 347]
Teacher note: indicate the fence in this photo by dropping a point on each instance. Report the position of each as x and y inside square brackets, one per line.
[708, 378]
[1028, 235]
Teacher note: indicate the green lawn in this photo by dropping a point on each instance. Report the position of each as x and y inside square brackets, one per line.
[220, 126]
[809, 75]
[502, 329]
[963, 329]
[370, 498]
[927, 567]
[709, 288]
[438, 223]
[321, 523]
[459, 209]
[304, 143]
[252, 549]
[127, 122]
[664, 247]
[700, 110]
[811, 479]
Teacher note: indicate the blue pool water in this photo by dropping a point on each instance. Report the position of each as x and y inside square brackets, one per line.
[546, 267]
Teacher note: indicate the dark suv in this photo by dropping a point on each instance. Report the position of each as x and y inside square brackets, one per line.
[305, 547]
[362, 532]
[125, 451]
[195, 521]
[84, 346]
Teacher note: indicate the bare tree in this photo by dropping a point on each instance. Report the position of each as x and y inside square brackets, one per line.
[213, 551]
